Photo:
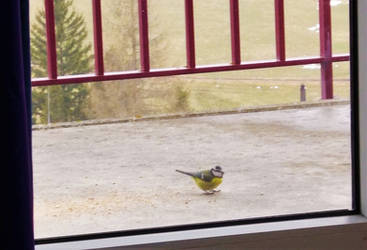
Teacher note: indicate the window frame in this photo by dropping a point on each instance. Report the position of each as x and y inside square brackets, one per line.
[268, 225]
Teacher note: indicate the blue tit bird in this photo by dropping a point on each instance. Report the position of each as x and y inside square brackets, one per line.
[207, 180]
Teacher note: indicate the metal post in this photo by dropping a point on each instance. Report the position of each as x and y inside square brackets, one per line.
[98, 44]
[235, 32]
[144, 38]
[302, 93]
[325, 50]
[279, 29]
[50, 39]
[190, 35]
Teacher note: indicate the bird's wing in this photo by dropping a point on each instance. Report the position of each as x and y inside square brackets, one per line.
[204, 175]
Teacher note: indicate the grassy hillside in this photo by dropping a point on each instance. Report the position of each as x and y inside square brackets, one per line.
[239, 88]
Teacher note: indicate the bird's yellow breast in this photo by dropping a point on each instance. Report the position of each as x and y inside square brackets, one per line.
[205, 185]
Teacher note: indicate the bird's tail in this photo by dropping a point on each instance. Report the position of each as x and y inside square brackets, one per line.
[183, 172]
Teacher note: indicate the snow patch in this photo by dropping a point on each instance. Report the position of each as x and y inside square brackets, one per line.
[335, 2]
[315, 28]
[311, 66]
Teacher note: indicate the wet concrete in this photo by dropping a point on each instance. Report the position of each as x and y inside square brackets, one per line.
[121, 176]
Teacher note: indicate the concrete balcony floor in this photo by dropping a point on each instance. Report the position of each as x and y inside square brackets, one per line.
[122, 176]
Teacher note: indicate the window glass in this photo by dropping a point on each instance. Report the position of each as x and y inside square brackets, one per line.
[167, 38]
[257, 37]
[106, 153]
[212, 32]
[302, 28]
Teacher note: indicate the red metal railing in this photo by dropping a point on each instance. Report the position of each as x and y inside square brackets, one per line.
[97, 32]
[325, 59]
[235, 32]
[325, 49]
[51, 41]
[190, 35]
[279, 29]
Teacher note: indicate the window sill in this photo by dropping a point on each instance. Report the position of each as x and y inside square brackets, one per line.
[332, 232]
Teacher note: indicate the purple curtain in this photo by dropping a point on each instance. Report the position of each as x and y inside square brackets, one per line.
[16, 220]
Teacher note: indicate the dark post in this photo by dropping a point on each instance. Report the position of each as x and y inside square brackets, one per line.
[302, 93]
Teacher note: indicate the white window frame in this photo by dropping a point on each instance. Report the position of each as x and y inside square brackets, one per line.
[336, 232]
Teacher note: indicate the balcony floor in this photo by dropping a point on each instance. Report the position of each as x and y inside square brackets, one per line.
[122, 176]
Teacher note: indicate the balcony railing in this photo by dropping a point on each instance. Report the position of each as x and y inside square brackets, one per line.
[325, 59]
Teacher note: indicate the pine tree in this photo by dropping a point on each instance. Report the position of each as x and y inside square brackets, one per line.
[62, 102]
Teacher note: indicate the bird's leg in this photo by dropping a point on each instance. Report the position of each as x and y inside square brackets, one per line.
[207, 192]
[215, 191]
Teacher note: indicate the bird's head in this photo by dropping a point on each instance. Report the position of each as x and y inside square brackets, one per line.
[217, 171]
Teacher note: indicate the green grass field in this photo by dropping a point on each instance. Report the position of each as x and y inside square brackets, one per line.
[226, 90]
[219, 95]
